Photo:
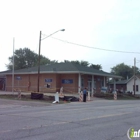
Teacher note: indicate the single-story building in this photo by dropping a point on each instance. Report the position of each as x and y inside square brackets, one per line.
[128, 85]
[72, 77]
[2, 82]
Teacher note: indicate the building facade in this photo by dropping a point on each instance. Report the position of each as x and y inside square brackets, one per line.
[72, 77]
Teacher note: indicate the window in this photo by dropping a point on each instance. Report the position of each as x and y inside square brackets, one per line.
[48, 85]
[137, 88]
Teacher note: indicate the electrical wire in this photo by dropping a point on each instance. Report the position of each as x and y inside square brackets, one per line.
[94, 47]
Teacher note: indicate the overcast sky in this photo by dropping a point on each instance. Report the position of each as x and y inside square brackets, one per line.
[105, 24]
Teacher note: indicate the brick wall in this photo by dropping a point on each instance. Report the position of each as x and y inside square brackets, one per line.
[71, 87]
[28, 82]
[43, 84]
[22, 83]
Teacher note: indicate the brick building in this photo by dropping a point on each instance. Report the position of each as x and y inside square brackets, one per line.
[2, 82]
[72, 77]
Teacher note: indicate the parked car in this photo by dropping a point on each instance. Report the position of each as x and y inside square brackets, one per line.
[104, 89]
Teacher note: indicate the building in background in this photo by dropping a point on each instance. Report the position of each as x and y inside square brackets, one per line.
[125, 86]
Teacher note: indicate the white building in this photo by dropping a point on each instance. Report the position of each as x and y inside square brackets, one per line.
[130, 84]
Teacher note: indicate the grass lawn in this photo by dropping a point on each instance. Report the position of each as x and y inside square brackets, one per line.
[110, 96]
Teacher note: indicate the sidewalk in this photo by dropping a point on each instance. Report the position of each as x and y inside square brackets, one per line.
[28, 93]
[48, 94]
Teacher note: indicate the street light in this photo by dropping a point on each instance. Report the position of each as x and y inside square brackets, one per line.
[40, 39]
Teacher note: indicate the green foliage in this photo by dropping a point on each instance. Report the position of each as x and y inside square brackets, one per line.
[124, 70]
[86, 64]
[98, 67]
[24, 58]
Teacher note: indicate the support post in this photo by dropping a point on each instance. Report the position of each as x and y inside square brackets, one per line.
[79, 83]
[134, 76]
[13, 66]
[104, 82]
[114, 85]
[92, 86]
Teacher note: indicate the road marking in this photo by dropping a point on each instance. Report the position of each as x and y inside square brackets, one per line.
[54, 124]
[9, 106]
[41, 112]
[105, 116]
[59, 123]
[5, 131]
[66, 110]
[71, 109]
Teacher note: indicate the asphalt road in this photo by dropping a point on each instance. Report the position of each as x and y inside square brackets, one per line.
[94, 120]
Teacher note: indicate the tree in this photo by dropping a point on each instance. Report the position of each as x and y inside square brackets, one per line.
[24, 58]
[85, 63]
[98, 67]
[75, 62]
[124, 70]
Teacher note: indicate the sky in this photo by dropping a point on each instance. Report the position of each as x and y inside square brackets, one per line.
[98, 24]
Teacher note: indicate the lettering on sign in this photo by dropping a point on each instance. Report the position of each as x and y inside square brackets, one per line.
[18, 78]
[67, 81]
[48, 80]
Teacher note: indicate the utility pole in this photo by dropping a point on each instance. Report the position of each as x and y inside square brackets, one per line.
[134, 76]
[39, 62]
[38, 75]
[13, 66]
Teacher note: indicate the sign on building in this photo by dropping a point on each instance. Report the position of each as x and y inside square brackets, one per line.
[48, 80]
[18, 78]
[67, 81]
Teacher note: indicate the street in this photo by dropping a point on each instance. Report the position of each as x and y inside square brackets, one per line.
[93, 120]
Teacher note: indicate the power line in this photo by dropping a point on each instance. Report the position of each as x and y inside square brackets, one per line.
[94, 47]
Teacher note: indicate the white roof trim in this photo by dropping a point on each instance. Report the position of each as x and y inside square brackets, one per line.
[66, 72]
